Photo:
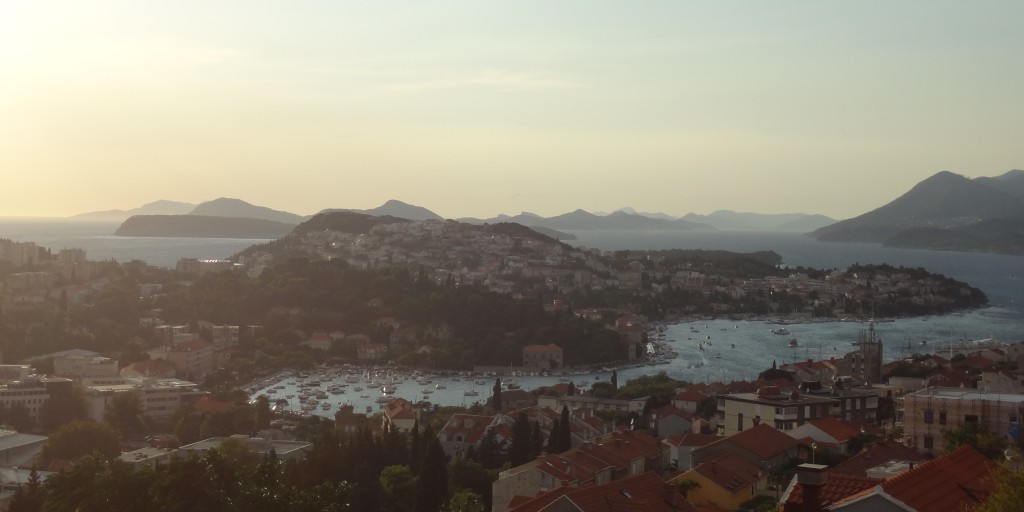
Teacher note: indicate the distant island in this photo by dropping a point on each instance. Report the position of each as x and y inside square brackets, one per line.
[167, 218]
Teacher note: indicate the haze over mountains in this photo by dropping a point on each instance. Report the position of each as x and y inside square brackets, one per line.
[149, 221]
[947, 211]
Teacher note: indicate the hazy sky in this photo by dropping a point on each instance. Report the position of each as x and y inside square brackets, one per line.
[478, 108]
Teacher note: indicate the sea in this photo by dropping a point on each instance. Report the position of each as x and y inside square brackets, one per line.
[706, 350]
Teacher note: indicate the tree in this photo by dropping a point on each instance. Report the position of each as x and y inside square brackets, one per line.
[976, 436]
[415, 446]
[262, 414]
[520, 450]
[432, 481]
[1008, 490]
[615, 380]
[685, 486]
[64, 406]
[80, 438]
[397, 483]
[466, 501]
[496, 399]
[28, 497]
[124, 413]
[564, 430]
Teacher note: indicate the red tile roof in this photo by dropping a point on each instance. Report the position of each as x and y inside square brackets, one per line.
[877, 454]
[837, 486]
[692, 439]
[689, 395]
[470, 427]
[946, 484]
[762, 441]
[730, 472]
[642, 493]
[836, 429]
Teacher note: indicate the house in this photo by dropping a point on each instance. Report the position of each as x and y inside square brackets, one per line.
[811, 484]
[681, 446]
[645, 492]
[827, 433]
[689, 400]
[881, 454]
[347, 421]
[400, 414]
[764, 446]
[19, 450]
[670, 420]
[150, 368]
[610, 457]
[543, 357]
[462, 432]
[514, 399]
[724, 481]
[950, 483]
[772, 406]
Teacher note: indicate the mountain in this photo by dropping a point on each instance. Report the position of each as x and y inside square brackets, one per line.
[227, 207]
[945, 212]
[202, 226]
[943, 201]
[1012, 183]
[731, 220]
[161, 207]
[664, 216]
[397, 209]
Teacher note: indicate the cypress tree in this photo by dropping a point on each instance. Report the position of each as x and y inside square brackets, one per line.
[432, 479]
[536, 441]
[615, 380]
[496, 400]
[564, 430]
[415, 447]
[520, 451]
[553, 439]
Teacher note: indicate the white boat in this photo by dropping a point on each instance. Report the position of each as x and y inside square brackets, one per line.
[781, 331]
[471, 392]
[387, 389]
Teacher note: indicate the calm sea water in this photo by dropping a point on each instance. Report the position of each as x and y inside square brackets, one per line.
[738, 349]
[100, 243]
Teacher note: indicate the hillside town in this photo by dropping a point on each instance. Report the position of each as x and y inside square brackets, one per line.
[850, 432]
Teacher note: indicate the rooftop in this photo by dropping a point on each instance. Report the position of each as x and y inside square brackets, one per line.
[967, 394]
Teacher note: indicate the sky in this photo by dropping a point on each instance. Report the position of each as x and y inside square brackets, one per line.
[474, 109]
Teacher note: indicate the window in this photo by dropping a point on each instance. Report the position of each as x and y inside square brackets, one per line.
[928, 413]
[942, 417]
[929, 442]
[971, 418]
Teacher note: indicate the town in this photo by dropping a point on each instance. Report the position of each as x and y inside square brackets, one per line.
[123, 376]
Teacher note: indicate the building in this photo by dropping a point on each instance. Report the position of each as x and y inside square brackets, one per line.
[192, 360]
[77, 368]
[927, 414]
[828, 434]
[284, 450]
[598, 404]
[865, 363]
[160, 398]
[770, 406]
[30, 393]
[462, 432]
[645, 492]
[544, 357]
[765, 447]
[950, 483]
[612, 457]
[399, 414]
[19, 450]
[725, 481]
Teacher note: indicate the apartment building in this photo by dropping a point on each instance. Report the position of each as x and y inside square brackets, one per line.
[927, 414]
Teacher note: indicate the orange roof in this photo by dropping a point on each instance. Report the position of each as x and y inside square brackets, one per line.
[692, 439]
[836, 429]
[762, 441]
[730, 472]
[880, 453]
[837, 486]
[645, 492]
[690, 395]
[946, 484]
[471, 426]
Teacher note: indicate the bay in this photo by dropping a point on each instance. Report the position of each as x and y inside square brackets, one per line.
[744, 347]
